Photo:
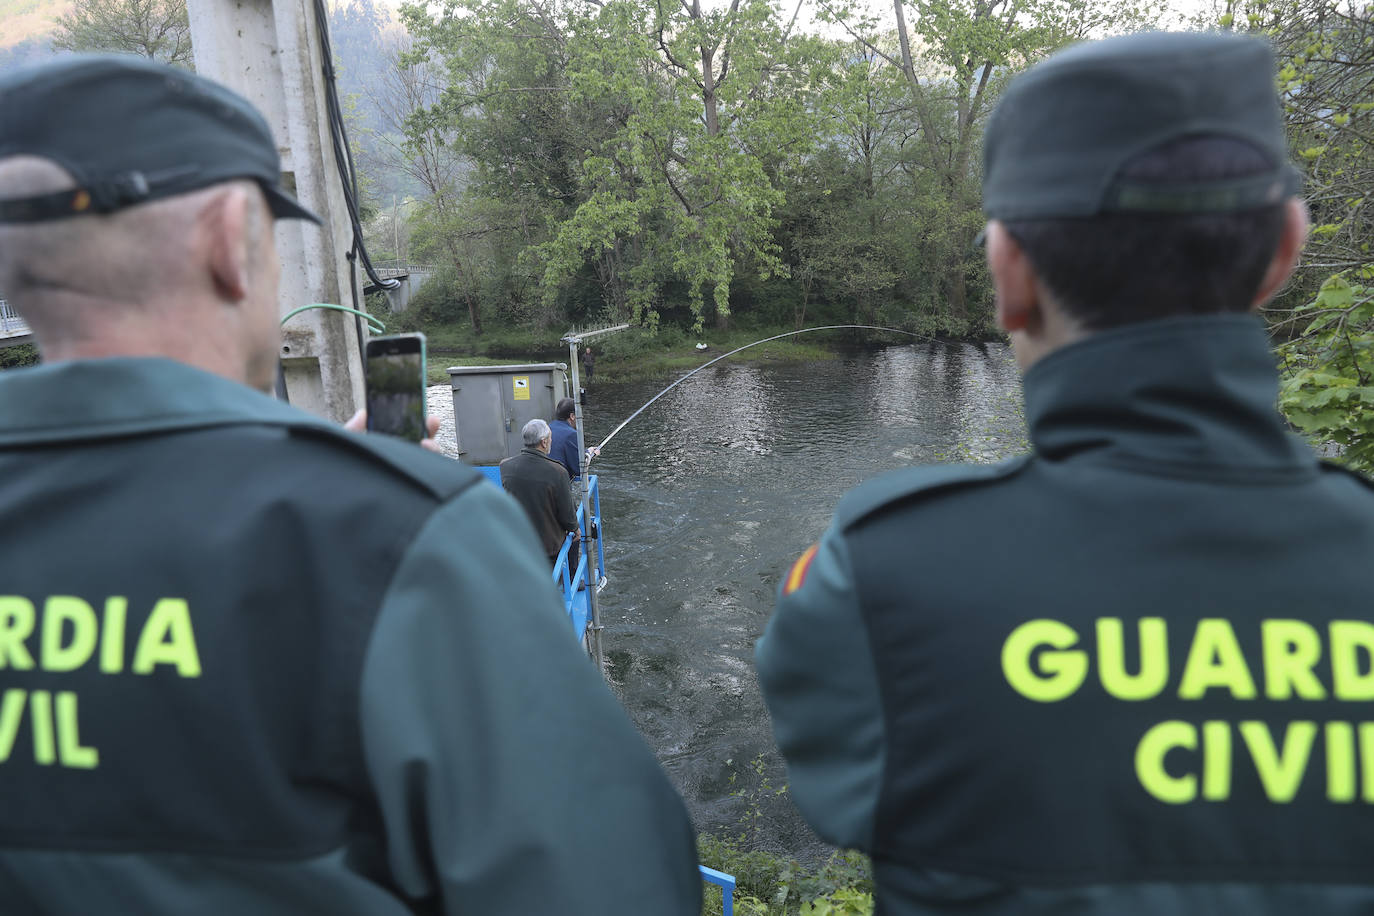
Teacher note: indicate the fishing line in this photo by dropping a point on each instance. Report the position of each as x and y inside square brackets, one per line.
[828, 327]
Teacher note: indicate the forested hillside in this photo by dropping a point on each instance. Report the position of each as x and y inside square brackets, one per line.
[567, 162]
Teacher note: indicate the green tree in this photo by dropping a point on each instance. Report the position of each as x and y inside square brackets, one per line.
[702, 102]
[159, 29]
[1325, 51]
[1328, 372]
[423, 148]
[495, 118]
[953, 56]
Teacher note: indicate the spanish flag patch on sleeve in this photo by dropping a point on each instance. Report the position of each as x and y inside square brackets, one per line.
[797, 575]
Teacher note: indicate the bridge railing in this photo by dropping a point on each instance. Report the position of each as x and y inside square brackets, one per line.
[11, 324]
[399, 267]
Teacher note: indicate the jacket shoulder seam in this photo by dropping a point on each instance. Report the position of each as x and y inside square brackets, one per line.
[919, 483]
[1332, 467]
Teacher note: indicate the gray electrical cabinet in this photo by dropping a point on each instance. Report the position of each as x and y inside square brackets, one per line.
[491, 404]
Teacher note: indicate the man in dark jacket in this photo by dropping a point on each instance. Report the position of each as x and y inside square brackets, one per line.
[1127, 673]
[251, 663]
[540, 485]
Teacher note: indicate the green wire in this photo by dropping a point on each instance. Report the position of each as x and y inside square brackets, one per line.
[373, 324]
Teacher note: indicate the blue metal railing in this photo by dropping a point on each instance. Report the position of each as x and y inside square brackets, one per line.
[577, 604]
[572, 582]
[726, 883]
[572, 579]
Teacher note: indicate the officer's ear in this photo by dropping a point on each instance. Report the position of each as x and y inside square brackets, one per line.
[1291, 240]
[226, 223]
[1018, 293]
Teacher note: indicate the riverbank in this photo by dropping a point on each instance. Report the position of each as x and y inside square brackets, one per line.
[634, 354]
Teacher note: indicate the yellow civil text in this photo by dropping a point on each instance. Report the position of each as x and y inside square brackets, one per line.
[54, 730]
[1178, 762]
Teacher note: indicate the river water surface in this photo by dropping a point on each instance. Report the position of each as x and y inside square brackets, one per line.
[709, 496]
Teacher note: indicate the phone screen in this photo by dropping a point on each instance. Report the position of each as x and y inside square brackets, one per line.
[396, 386]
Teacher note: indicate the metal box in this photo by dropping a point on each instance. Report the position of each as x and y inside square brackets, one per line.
[491, 404]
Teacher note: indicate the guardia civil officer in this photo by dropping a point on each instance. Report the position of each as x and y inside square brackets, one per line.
[251, 663]
[1129, 672]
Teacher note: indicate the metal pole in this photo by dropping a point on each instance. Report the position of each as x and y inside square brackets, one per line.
[593, 574]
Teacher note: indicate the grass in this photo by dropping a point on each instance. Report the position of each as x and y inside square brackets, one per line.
[771, 884]
[624, 356]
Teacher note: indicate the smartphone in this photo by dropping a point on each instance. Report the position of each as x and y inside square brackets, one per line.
[396, 386]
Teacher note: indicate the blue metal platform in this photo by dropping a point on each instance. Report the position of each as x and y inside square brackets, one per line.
[577, 605]
[570, 574]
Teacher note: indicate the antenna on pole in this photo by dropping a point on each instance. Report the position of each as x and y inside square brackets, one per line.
[574, 340]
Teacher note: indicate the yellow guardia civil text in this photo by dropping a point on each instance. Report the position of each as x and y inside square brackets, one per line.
[62, 634]
[1042, 661]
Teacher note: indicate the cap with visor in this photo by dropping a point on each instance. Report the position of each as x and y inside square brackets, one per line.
[1062, 132]
[129, 130]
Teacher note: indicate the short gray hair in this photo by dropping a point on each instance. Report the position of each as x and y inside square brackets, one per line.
[535, 432]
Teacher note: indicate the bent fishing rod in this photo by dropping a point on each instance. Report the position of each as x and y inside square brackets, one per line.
[827, 327]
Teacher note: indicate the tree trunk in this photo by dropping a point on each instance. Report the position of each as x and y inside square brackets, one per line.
[470, 300]
[958, 292]
[708, 91]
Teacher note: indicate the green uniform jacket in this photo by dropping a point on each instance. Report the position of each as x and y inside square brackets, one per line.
[1127, 674]
[252, 664]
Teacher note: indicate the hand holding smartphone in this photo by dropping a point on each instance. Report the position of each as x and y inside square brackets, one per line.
[396, 386]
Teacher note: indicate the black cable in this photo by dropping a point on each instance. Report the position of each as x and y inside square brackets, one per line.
[343, 155]
[357, 314]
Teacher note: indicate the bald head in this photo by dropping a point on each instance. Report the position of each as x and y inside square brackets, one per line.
[167, 277]
[122, 256]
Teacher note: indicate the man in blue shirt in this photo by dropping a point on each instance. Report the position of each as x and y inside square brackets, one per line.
[564, 427]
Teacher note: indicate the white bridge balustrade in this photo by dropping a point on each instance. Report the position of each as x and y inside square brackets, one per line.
[13, 329]
[390, 270]
[410, 277]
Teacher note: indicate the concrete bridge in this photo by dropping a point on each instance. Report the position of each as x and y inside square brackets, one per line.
[410, 276]
[13, 329]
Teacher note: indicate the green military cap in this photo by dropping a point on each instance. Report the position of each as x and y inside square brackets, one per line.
[1057, 141]
[130, 130]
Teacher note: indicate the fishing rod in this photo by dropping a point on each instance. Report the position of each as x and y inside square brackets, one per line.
[828, 327]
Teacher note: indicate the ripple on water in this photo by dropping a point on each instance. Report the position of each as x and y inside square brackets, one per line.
[711, 494]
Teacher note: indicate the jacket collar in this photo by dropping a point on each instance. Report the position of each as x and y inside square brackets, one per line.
[1180, 391]
[101, 398]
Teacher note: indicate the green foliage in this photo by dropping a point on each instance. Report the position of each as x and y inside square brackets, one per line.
[18, 356]
[680, 190]
[611, 160]
[1325, 51]
[159, 29]
[768, 884]
[1328, 379]
[772, 885]
[844, 902]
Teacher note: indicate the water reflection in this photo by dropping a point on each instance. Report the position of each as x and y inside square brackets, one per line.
[709, 496]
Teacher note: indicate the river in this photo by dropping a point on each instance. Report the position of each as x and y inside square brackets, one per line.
[710, 495]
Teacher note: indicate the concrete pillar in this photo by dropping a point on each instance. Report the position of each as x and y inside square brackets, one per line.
[398, 299]
[269, 52]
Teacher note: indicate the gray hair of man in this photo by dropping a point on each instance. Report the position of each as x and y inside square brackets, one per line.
[535, 432]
